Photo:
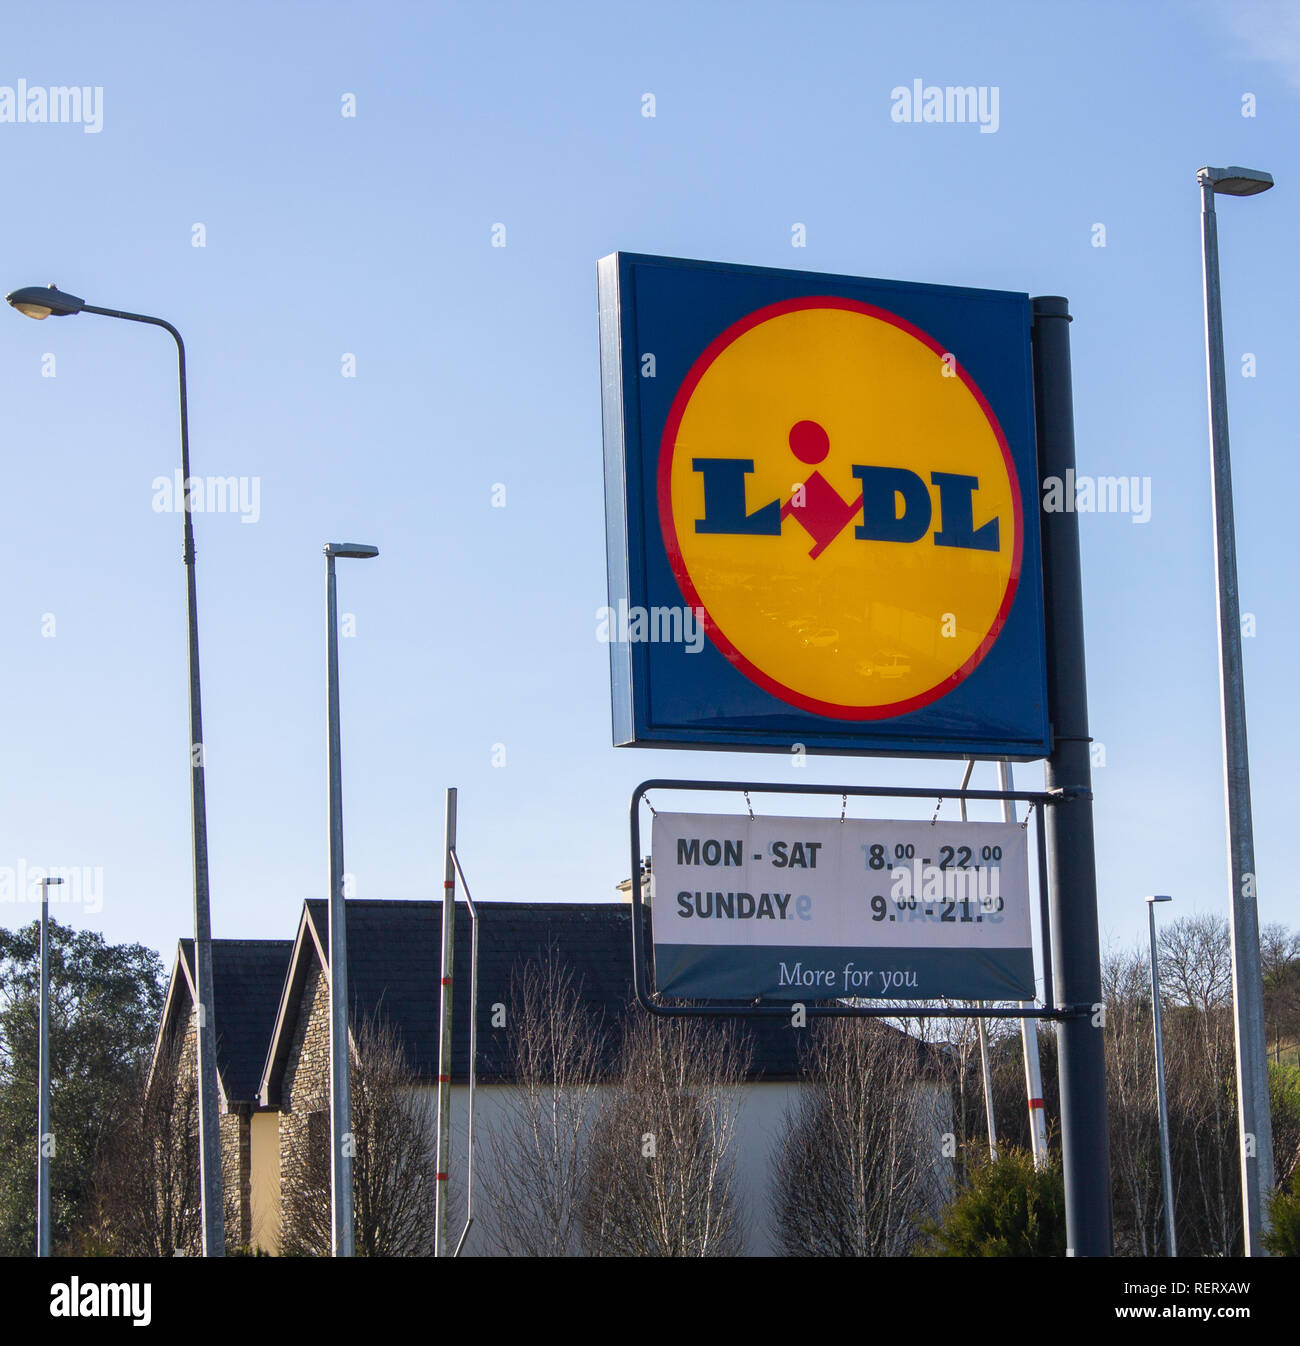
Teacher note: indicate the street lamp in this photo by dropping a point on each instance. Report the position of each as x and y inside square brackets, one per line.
[340, 1089]
[1166, 1167]
[1254, 1119]
[39, 303]
[44, 1136]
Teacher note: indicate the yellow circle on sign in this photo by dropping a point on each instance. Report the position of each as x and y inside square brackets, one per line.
[838, 498]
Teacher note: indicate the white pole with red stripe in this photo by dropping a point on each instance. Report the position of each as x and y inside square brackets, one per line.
[980, 1026]
[444, 1026]
[989, 1118]
[1034, 1089]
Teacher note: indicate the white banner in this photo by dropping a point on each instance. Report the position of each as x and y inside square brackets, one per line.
[766, 906]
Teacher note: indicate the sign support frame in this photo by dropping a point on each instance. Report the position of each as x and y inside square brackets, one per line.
[895, 1009]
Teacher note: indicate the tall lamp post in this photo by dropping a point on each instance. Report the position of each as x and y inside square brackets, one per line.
[44, 1136]
[340, 1088]
[1253, 1115]
[1166, 1167]
[37, 302]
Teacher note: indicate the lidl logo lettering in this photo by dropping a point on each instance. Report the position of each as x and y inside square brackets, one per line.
[844, 513]
[817, 507]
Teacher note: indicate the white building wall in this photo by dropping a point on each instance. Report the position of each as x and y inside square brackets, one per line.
[759, 1125]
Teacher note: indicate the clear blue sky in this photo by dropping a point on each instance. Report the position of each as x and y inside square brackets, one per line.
[477, 365]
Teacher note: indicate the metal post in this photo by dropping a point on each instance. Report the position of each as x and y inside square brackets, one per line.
[1085, 1143]
[44, 1137]
[444, 1025]
[1028, 1027]
[210, 1174]
[473, 1056]
[343, 1235]
[1253, 1110]
[1166, 1167]
[341, 1139]
[214, 1212]
[340, 1084]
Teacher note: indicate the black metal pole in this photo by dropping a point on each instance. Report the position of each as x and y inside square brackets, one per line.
[1085, 1143]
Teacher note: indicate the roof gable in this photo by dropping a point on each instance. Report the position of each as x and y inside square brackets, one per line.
[394, 973]
[247, 978]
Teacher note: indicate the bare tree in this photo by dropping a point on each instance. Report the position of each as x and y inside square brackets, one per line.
[1201, 1077]
[954, 1055]
[955, 1043]
[395, 1169]
[1195, 972]
[867, 1146]
[305, 1212]
[538, 1144]
[1195, 960]
[1280, 958]
[146, 1184]
[394, 1173]
[662, 1176]
[1136, 1191]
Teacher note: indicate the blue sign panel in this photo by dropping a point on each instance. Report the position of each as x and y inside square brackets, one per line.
[821, 503]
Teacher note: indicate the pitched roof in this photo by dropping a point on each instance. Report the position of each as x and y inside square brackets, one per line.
[247, 978]
[394, 969]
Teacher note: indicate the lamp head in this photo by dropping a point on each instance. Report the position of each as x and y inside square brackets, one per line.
[356, 550]
[1235, 181]
[1161, 898]
[35, 301]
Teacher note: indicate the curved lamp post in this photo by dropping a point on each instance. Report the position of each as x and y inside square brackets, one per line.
[37, 302]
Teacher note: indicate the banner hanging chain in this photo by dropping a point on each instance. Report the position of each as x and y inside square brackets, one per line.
[844, 805]
[937, 807]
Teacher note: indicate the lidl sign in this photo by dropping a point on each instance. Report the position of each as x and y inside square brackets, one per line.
[821, 510]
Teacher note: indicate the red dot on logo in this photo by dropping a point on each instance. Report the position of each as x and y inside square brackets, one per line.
[809, 442]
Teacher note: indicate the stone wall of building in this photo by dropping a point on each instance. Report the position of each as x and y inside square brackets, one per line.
[233, 1133]
[183, 1067]
[237, 1179]
[304, 1109]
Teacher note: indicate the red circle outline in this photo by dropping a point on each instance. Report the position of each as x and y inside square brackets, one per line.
[668, 447]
